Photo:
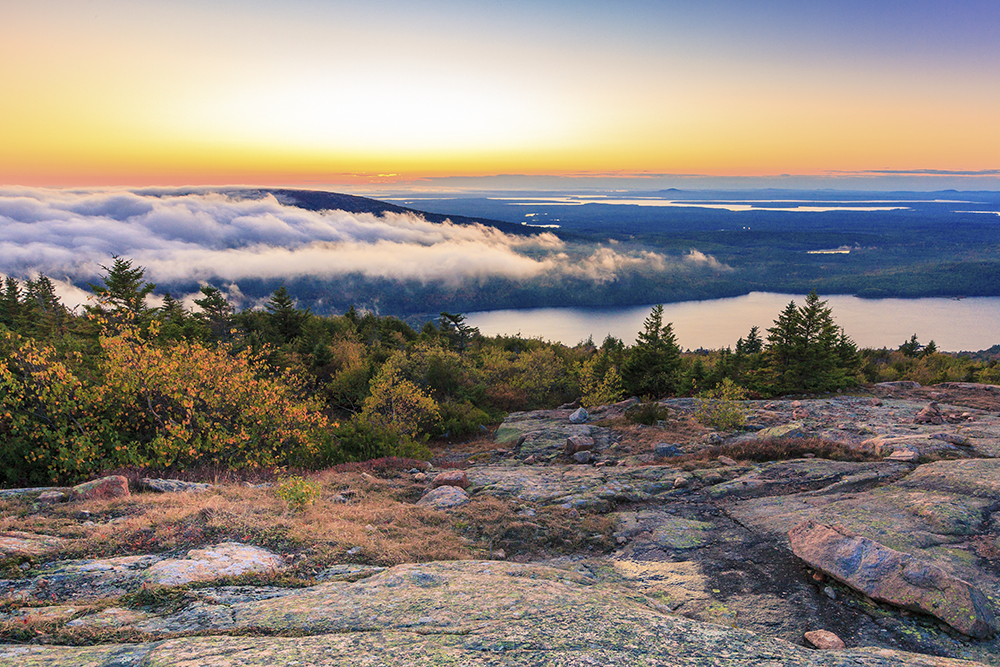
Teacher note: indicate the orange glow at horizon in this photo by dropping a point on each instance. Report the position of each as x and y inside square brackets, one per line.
[120, 93]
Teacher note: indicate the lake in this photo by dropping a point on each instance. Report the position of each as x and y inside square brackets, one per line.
[953, 324]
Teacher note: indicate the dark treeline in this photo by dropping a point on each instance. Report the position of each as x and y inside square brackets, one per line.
[126, 384]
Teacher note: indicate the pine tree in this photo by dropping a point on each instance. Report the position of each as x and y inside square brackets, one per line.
[216, 312]
[911, 347]
[123, 294]
[11, 306]
[44, 312]
[653, 363]
[287, 319]
[807, 351]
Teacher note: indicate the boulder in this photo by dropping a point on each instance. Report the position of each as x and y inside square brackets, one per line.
[18, 543]
[795, 429]
[451, 478]
[444, 497]
[114, 486]
[50, 497]
[173, 485]
[931, 414]
[578, 443]
[899, 384]
[228, 559]
[579, 417]
[895, 577]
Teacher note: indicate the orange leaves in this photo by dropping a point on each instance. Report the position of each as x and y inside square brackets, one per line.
[149, 405]
[206, 403]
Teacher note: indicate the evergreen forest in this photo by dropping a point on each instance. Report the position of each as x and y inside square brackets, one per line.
[121, 383]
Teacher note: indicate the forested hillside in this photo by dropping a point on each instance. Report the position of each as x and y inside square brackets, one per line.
[122, 383]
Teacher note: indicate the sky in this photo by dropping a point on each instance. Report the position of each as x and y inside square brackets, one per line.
[434, 93]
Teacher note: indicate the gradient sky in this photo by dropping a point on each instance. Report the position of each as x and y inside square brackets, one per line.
[142, 92]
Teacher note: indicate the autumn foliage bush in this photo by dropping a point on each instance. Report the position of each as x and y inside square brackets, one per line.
[149, 405]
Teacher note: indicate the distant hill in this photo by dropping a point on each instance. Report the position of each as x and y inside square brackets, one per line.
[317, 200]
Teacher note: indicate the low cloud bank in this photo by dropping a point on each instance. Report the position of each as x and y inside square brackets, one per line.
[202, 237]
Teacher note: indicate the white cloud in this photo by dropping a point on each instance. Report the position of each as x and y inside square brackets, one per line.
[203, 236]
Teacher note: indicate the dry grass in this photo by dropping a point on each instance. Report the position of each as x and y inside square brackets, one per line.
[379, 517]
[775, 449]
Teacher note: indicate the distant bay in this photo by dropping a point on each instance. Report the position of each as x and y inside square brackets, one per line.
[953, 324]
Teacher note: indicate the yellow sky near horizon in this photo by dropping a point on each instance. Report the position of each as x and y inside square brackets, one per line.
[142, 93]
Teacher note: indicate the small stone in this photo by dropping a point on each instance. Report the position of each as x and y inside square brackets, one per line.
[726, 461]
[451, 478]
[800, 413]
[530, 460]
[829, 592]
[420, 477]
[664, 450]
[824, 639]
[50, 497]
[354, 551]
[713, 478]
[579, 417]
[905, 455]
[444, 497]
[583, 457]
[875, 403]
[680, 482]
[714, 438]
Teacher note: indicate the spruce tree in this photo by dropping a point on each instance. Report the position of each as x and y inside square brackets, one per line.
[652, 365]
[287, 319]
[807, 351]
[216, 312]
[123, 295]
[11, 306]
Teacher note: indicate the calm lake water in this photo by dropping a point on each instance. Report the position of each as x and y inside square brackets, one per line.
[966, 324]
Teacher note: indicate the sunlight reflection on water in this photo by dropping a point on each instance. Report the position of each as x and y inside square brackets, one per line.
[966, 324]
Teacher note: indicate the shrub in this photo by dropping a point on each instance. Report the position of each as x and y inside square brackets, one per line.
[649, 412]
[297, 492]
[720, 408]
[461, 418]
[396, 403]
[176, 405]
[600, 381]
[358, 439]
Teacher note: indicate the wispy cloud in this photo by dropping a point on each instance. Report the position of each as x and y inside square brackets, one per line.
[208, 236]
[919, 172]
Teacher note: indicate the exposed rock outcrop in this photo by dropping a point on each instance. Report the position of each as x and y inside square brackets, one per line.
[891, 576]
